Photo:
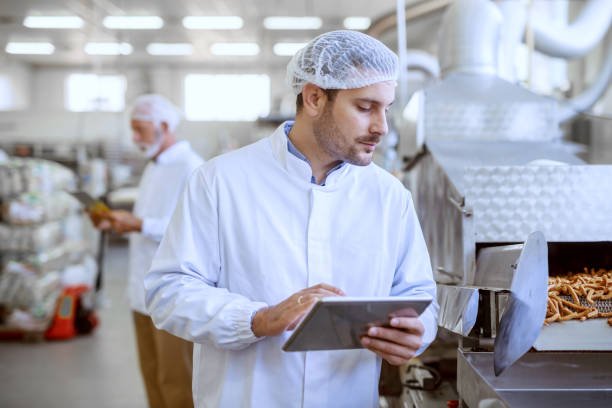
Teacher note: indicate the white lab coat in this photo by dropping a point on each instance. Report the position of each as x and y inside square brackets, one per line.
[249, 231]
[158, 192]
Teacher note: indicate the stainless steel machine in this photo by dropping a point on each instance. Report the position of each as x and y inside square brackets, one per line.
[499, 217]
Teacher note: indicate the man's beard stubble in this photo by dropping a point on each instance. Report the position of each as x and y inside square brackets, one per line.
[331, 140]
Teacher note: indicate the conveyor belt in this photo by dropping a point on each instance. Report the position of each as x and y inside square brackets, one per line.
[603, 306]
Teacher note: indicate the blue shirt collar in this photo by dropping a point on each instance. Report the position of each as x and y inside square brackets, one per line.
[294, 151]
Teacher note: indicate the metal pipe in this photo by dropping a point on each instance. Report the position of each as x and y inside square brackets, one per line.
[589, 97]
[422, 60]
[401, 50]
[578, 38]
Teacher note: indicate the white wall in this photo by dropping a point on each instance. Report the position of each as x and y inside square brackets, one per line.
[42, 116]
[18, 75]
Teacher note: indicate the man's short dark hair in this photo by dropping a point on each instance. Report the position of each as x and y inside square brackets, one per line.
[299, 101]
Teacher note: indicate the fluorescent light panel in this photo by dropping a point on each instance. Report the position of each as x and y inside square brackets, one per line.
[133, 22]
[237, 49]
[61, 22]
[35, 48]
[357, 23]
[292, 23]
[170, 49]
[108, 48]
[287, 48]
[213, 22]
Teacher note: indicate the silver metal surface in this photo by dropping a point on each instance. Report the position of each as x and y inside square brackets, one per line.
[524, 315]
[485, 107]
[445, 227]
[469, 192]
[589, 335]
[560, 380]
[495, 266]
[439, 185]
[472, 385]
[454, 156]
[566, 203]
[458, 308]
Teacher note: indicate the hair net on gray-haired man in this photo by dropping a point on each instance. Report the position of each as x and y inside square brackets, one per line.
[342, 59]
[155, 108]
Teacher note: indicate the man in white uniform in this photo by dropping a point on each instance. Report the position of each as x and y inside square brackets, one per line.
[165, 360]
[262, 232]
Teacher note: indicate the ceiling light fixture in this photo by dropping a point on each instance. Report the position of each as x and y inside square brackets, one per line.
[213, 22]
[357, 23]
[60, 22]
[235, 49]
[133, 22]
[35, 48]
[170, 49]
[287, 48]
[292, 23]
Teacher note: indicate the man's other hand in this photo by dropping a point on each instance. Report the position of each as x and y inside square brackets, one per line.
[124, 221]
[396, 344]
[274, 320]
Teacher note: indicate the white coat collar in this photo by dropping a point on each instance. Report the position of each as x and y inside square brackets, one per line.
[298, 167]
[174, 153]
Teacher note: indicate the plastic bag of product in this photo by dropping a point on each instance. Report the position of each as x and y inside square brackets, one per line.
[24, 320]
[36, 318]
[52, 259]
[31, 238]
[47, 176]
[11, 179]
[84, 273]
[15, 283]
[34, 208]
[72, 227]
[22, 288]
[18, 175]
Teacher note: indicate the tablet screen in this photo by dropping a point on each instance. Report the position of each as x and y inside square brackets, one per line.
[337, 323]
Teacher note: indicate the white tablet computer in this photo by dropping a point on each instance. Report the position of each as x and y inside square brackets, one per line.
[337, 323]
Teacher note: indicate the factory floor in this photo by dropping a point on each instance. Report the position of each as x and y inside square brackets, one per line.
[95, 371]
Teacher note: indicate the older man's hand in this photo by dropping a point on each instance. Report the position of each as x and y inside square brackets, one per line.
[100, 219]
[396, 344]
[124, 221]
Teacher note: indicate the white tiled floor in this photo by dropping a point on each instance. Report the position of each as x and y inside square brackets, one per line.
[99, 370]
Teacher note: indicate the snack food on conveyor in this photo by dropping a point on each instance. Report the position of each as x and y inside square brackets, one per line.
[579, 296]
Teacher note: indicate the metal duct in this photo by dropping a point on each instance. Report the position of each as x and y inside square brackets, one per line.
[515, 19]
[589, 97]
[417, 59]
[469, 39]
[578, 38]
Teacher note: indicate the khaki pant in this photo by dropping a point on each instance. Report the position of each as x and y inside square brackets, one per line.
[165, 363]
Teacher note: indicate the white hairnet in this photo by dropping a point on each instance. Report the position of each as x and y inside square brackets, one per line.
[342, 59]
[155, 108]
